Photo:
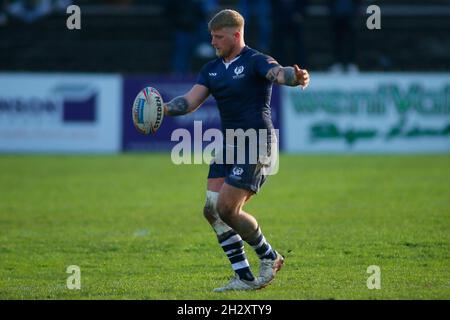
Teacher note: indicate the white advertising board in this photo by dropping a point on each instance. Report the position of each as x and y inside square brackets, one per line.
[368, 113]
[60, 113]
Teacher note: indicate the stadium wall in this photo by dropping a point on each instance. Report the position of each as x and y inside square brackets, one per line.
[171, 87]
[362, 113]
[62, 113]
[368, 113]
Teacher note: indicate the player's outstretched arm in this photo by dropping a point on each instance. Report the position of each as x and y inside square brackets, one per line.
[188, 103]
[289, 76]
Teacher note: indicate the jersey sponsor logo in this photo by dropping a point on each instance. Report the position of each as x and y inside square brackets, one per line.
[212, 74]
[238, 71]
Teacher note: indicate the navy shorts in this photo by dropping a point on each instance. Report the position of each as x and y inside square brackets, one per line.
[248, 175]
[244, 176]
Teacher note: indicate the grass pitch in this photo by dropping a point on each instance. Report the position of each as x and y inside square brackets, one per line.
[134, 226]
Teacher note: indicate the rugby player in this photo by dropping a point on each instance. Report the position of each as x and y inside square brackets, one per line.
[240, 80]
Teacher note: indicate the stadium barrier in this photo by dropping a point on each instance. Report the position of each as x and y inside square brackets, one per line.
[169, 88]
[91, 113]
[368, 113]
[60, 113]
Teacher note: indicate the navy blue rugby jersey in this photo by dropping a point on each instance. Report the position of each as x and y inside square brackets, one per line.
[241, 90]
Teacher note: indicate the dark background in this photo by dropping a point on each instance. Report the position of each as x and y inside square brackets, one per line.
[136, 37]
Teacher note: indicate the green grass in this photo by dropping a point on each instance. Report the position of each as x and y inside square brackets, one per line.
[134, 225]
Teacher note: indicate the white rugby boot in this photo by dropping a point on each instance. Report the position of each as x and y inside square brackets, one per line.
[268, 268]
[238, 284]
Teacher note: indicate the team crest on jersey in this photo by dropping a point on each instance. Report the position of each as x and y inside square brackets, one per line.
[237, 171]
[238, 71]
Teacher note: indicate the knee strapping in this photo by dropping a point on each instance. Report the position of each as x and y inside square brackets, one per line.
[218, 225]
[211, 203]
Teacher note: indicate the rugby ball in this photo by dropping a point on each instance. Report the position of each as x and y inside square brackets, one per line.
[148, 111]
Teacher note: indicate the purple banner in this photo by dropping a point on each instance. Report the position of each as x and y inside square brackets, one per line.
[170, 87]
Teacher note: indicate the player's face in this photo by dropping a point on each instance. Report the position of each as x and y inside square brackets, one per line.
[224, 41]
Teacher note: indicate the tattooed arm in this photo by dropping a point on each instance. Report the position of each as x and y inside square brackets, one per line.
[177, 107]
[289, 76]
[188, 103]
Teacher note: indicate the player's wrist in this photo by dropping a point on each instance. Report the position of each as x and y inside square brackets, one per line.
[177, 107]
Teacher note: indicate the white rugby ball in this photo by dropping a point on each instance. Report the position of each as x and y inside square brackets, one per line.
[148, 111]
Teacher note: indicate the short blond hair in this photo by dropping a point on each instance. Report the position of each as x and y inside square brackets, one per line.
[225, 19]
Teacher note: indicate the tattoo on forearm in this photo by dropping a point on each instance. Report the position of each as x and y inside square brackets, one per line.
[178, 106]
[289, 76]
[272, 74]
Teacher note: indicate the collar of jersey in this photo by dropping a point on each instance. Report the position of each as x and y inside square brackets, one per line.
[227, 64]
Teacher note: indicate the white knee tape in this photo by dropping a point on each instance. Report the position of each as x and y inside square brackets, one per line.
[211, 201]
[218, 225]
